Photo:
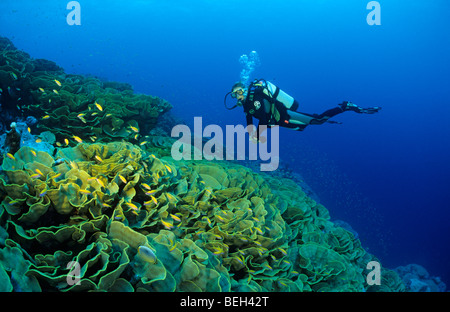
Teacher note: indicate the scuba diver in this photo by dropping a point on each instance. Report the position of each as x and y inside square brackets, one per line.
[272, 106]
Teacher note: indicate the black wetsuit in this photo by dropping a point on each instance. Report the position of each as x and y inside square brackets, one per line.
[258, 104]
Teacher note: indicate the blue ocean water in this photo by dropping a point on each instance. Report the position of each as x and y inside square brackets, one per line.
[385, 174]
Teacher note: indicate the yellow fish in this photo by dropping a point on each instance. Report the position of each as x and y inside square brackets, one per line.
[134, 129]
[57, 82]
[167, 225]
[38, 140]
[175, 218]
[98, 158]
[66, 141]
[35, 176]
[132, 206]
[57, 175]
[78, 139]
[42, 90]
[39, 172]
[55, 91]
[34, 153]
[11, 156]
[99, 107]
[172, 248]
[147, 254]
[154, 200]
[43, 193]
[168, 168]
[208, 221]
[85, 192]
[122, 179]
[143, 143]
[46, 117]
[145, 185]
[29, 130]
[100, 182]
[258, 230]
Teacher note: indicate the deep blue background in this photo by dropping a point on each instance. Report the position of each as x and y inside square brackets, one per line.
[386, 174]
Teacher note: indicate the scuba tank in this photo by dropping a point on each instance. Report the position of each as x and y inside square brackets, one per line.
[276, 93]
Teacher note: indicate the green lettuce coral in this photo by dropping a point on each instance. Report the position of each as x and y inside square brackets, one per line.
[210, 226]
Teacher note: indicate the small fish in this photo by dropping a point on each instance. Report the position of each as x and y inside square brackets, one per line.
[29, 130]
[13, 202]
[38, 172]
[100, 182]
[78, 139]
[99, 107]
[208, 221]
[143, 143]
[175, 218]
[106, 205]
[150, 193]
[66, 141]
[14, 76]
[132, 206]
[135, 212]
[122, 179]
[145, 185]
[167, 225]
[34, 153]
[11, 156]
[38, 140]
[55, 91]
[35, 176]
[93, 138]
[46, 117]
[108, 115]
[173, 246]
[86, 192]
[118, 217]
[147, 254]
[258, 230]
[41, 194]
[98, 158]
[220, 218]
[56, 176]
[154, 199]
[57, 82]
[168, 168]
[282, 251]
[134, 129]
[42, 90]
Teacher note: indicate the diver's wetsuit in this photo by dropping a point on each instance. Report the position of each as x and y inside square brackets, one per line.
[269, 111]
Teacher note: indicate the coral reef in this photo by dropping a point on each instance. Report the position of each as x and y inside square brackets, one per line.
[417, 279]
[73, 105]
[210, 227]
